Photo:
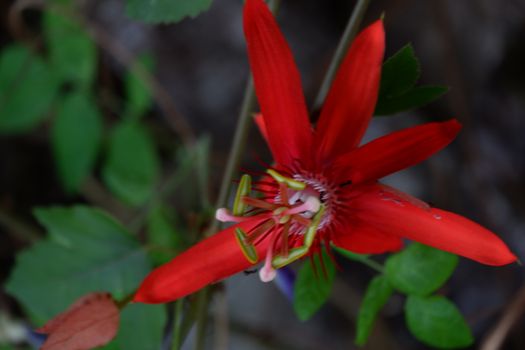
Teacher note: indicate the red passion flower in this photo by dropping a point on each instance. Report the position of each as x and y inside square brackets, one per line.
[323, 189]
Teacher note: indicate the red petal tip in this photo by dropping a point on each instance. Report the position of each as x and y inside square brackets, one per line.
[452, 127]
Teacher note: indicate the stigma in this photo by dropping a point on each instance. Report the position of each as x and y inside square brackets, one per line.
[290, 216]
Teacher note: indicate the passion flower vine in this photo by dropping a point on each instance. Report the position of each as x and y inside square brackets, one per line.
[323, 188]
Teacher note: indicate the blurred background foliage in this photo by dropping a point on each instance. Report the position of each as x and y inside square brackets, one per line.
[114, 132]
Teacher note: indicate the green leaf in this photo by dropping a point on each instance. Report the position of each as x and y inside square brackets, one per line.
[71, 50]
[400, 73]
[397, 91]
[311, 289]
[163, 235]
[165, 11]
[138, 95]
[376, 296]
[86, 251]
[437, 322]
[412, 99]
[27, 89]
[76, 135]
[141, 327]
[132, 165]
[419, 269]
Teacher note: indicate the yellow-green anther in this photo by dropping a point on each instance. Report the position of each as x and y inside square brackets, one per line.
[279, 210]
[243, 190]
[279, 261]
[284, 219]
[309, 235]
[247, 249]
[291, 183]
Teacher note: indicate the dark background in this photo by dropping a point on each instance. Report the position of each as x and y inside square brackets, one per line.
[476, 47]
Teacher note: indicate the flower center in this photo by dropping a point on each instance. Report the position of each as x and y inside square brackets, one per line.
[327, 193]
[289, 220]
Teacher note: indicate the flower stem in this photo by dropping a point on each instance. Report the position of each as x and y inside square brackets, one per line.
[177, 324]
[372, 264]
[350, 32]
[239, 141]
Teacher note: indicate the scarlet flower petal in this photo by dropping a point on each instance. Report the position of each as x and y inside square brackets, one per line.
[443, 230]
[353, 95]
[396, 151]
[209, 261]
[277, 84]
[259, 120]
[362, 238]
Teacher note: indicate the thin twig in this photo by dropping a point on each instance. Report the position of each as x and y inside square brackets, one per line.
[177, 324]
[95, 193]
[175, 120]
[511, 315]
[19, 229]
[350, 32]
[221, 322]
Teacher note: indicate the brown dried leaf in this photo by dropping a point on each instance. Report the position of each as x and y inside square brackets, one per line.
[89, 322]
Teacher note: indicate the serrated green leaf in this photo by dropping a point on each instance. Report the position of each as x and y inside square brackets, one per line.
[165, 11]
[75, 136]
[163, 235]
[132, 165]
[376, 296]
[141, 327]
[397, 92]
[27, 89]
[311, 290]
[419, 269]
[400, 73]
[437, 322]
[86, 251]
[71, 51]
[138, 96]
[412, 99]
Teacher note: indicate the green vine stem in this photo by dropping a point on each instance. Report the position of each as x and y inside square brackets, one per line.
[177, 324]
[352, 27]
[239, 142]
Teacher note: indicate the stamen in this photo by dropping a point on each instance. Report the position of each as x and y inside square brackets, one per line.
[291, 183]
[267, 273]
[244, 189]
[249, 251]
[283, 191]
[224, 215]
[258, 203]
[289, 217]
[284, 219]
[302, 220]
[259, 231]
[296, 253]
[284, 237]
